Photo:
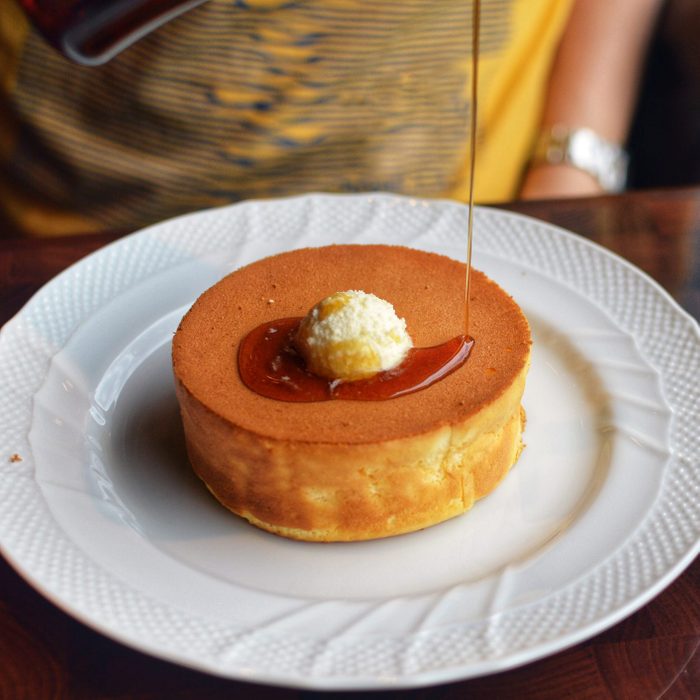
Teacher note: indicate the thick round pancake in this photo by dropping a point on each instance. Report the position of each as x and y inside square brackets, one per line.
[350, 470]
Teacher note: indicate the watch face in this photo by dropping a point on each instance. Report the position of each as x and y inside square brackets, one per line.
[587, 151]
[583, 149]
[604, 160]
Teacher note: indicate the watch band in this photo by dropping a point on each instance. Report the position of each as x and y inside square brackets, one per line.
[586, 150]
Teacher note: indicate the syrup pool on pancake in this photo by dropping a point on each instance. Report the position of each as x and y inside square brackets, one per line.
[351, 345]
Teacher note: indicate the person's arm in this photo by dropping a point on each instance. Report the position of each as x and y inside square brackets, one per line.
[593, 84]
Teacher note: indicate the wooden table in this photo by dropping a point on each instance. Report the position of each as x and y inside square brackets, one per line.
[652, 654]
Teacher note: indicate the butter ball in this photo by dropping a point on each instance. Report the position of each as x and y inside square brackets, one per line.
[352, 335]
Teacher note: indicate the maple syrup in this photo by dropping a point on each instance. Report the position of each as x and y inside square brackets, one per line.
[270, 365]
[476, 18]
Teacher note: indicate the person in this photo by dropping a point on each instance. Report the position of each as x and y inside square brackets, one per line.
[593, 83]
[268, 98]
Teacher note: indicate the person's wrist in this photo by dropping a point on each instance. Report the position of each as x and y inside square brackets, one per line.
[585, 150]
[544, 181]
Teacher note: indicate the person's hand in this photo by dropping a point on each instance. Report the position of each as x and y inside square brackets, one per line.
[558, 182]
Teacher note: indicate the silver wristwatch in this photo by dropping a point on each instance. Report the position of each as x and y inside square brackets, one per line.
[586, 150]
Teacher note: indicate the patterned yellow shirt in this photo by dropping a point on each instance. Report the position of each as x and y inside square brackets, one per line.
[263, 98]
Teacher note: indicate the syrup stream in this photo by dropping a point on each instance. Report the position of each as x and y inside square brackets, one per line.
[269, 364]
[472, 153]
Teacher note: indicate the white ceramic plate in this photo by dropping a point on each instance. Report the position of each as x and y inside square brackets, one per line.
[104, 517]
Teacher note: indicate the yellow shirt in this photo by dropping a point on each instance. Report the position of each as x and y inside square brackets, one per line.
[265, 98]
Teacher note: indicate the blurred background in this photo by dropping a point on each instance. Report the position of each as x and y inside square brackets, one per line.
[664, 142]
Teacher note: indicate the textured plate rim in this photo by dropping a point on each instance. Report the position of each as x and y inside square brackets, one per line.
[447, 672]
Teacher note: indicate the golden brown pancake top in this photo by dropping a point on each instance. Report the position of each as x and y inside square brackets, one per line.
[426, 289]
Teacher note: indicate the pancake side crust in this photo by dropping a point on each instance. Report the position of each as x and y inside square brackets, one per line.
[346, 492]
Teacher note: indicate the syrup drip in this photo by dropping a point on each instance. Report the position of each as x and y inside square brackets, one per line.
[476, 14]
[270, 366]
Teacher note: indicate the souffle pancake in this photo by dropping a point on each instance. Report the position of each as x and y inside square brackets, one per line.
[344, 470]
